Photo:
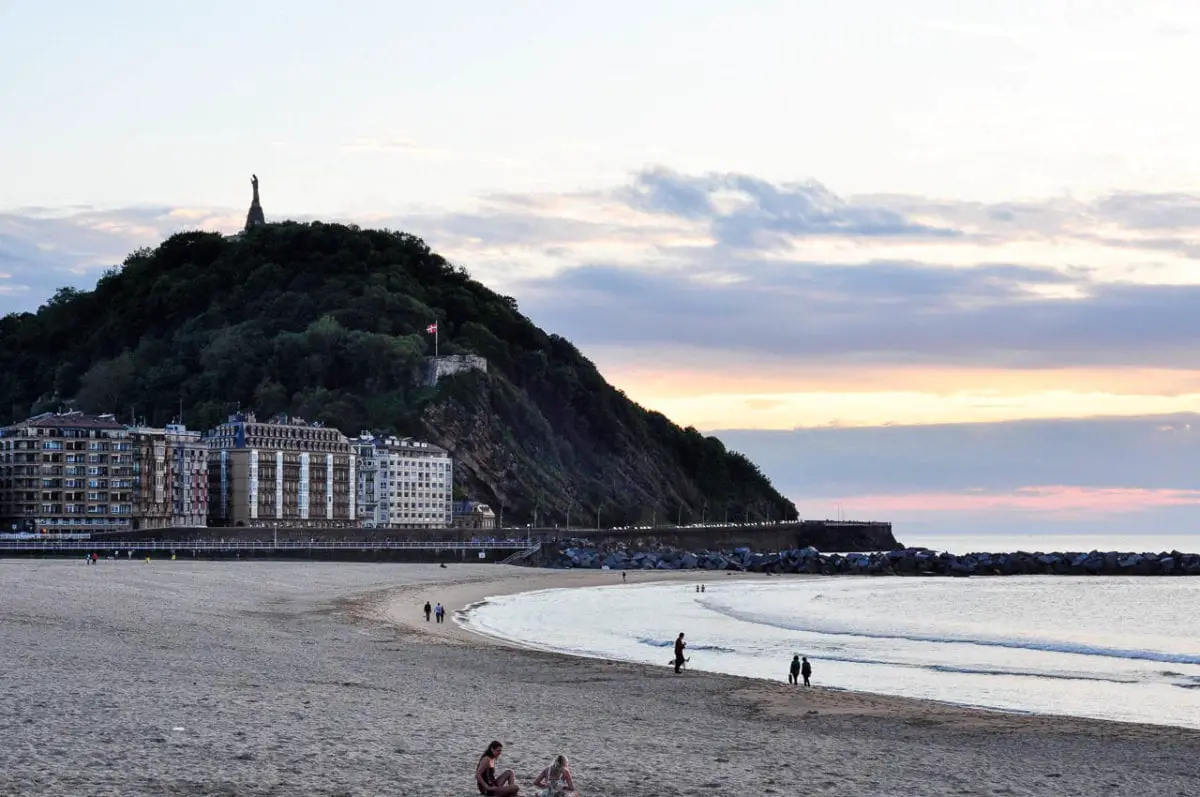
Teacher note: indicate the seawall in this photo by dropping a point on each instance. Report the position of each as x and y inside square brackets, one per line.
[579, 553]
[824, 535]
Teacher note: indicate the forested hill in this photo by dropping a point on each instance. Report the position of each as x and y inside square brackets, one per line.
[328, 322]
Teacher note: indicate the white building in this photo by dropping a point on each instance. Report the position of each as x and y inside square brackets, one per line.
[404, 483]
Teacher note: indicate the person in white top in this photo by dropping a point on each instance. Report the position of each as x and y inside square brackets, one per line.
[556, 780]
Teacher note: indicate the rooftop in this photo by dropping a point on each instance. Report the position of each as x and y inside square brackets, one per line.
[275, 420]
[69, 420]
[390, 442]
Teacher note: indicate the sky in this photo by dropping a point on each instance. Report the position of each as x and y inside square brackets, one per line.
[931, 262]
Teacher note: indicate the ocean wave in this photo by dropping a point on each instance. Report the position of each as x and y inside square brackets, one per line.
[977, 670]
[659, 643]
[1046, 646]
[946, 668]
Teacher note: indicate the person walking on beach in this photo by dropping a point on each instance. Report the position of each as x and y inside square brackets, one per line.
[679, 646]
[486, 780]
[622, 576]
[428, 611]
[794, 674]
[439, 612]
[806, 671]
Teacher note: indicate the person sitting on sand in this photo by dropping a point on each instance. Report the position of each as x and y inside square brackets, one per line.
[556, 780]
[485, 774]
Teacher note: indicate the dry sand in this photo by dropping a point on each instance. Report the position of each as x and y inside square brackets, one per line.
[321, 679]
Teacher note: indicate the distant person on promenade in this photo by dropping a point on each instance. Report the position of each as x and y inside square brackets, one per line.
[486, 780]
[794, 674]
[556, 780]
[806, 671]
[679, 646]
[622, 576]
[428, 611]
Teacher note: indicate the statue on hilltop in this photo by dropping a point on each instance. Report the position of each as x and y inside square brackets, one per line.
[255, 217]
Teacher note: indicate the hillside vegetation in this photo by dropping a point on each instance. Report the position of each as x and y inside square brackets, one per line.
[327, 322]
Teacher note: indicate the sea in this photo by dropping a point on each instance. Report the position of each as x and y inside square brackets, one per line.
[1116, 648]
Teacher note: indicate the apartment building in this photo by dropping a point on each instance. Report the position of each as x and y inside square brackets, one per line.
[405, 483]
[284, 471]
[170, 477]
[66, 472]
[367, 458]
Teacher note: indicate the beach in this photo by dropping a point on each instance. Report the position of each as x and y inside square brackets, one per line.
[281, 678]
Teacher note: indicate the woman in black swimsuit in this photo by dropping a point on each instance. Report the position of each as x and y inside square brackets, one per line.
[485, 774]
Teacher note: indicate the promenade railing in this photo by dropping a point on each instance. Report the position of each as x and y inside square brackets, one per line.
[101, 546]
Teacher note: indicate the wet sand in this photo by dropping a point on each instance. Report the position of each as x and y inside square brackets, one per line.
[282, 678]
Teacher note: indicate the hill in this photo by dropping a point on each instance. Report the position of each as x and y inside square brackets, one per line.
[327, 322]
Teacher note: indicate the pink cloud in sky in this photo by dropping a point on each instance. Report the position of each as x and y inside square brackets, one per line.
[1057, 500]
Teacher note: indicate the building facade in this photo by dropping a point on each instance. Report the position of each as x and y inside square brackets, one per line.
[473, 515]
[367, 488]
[284, 472]
[66, 473]
[170, 477]
[406, 484]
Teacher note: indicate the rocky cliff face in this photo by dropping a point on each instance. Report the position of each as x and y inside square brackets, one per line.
[512, 453]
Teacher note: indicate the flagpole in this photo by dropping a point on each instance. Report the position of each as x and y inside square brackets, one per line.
[436, 331]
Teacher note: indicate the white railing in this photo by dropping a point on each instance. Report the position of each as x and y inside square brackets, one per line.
[101, 546]
[521, 555]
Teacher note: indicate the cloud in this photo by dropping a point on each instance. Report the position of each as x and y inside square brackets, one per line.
[881, 312]
[398, 145]
[1042, 501]
[42, 250]
[1151, 211]
[1154, 452]
[748, 212]
[1088, 477]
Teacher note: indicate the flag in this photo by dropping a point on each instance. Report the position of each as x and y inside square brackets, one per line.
[432, 328]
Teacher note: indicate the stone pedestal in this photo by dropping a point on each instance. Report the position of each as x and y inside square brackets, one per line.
[255, 216]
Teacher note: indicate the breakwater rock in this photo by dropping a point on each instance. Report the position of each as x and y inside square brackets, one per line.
[907, 562]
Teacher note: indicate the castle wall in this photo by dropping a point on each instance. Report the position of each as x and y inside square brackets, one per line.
[438, 367]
